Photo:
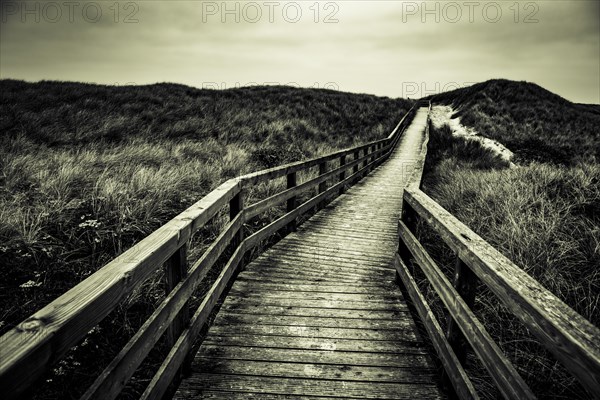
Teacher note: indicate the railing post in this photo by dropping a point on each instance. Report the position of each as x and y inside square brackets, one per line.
[322, 185]
[343, 173]
[176, 269]
[236, 205]
[409, 218]
[356, 157]
[465, 283]
[292, 201]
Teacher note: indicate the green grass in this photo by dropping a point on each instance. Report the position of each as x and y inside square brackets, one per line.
[543, 217]
[89, 170]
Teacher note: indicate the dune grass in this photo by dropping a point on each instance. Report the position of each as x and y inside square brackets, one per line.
[89, 170]
[543, 217]
[535, 124]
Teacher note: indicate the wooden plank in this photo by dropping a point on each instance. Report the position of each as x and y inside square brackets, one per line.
[315, 387]
[406, 334]
[228, 395]
[228, 317]
[114, 377]
[308, 269]
[242, 284]
[34, 345]
[324, 263]
[506, 377]
[398, 306]
[566, 334]
[456, 374]
[315, 295]
[298, 277]
[314, 371]
[407, 360]
[279, 272]
[296, 311]
[166, 372]
[312, 343]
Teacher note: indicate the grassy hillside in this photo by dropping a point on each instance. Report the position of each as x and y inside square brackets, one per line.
[88, 170]
[535, 124]
[543, 215]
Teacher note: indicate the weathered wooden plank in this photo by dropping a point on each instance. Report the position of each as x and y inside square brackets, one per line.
[454, 370]
[312, 343]
[405, 334]
[228, 317]
[299, 278]
[315, 371]
[314, 295]
[280, 274]
[227, 395]
[34, 345]
[317, 387]
[407, 360]
[325, 256]
[295, 311]
[398, 305]
[506, 377]
[242, 284]
[570, 337]
[310, 270]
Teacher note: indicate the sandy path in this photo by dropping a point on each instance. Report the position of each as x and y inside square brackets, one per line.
[441, 115]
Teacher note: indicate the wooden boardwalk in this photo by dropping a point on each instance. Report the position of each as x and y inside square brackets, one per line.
[319, 315]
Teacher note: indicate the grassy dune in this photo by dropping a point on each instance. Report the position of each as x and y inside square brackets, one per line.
[88, 170]
[544, 215]
[535, 124]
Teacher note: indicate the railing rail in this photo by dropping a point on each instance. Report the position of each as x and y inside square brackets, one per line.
[30, 349]
[571, 338]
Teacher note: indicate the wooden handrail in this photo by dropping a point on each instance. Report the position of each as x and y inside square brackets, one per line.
[33, 346]
[566, 334]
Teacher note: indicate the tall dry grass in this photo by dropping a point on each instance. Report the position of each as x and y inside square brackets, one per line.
[543, 217]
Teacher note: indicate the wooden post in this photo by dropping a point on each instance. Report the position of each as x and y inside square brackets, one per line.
[322, 185]
[343, 173]
[236, 205]
[356, 157]
[465, 283]
[176, 269]
[409, 217]
[292, 202]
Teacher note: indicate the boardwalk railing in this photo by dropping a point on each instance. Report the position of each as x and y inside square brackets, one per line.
[30, 349]
[571, 338]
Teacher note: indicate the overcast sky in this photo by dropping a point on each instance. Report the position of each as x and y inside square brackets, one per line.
[391, 48]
